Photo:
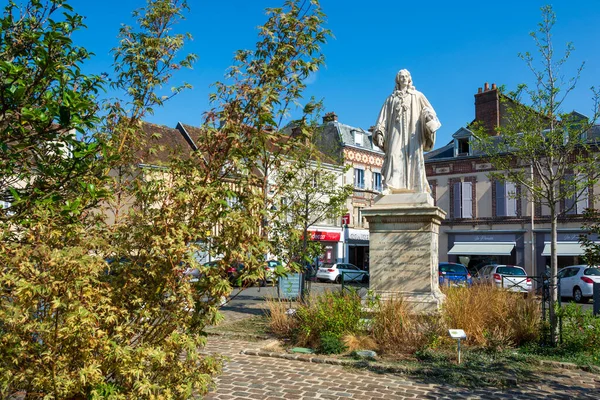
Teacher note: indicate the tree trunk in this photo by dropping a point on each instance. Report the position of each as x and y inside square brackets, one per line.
[553, 279]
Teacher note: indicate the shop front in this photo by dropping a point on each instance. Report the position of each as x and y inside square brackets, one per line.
[478, 249]
[330, 243]
[568, 249]
[357, 247]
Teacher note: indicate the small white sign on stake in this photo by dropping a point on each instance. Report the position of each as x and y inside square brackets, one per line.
[457, 334]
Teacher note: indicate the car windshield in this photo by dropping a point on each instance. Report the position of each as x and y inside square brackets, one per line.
[453, 269]
[510, 271]
[592, 271]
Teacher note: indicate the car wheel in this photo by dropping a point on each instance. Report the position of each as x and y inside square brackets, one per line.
[338, 279]
[577, 295]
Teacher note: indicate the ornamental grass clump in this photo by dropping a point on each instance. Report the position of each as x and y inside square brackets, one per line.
[282, 322]
[397, 329]
[492, 317]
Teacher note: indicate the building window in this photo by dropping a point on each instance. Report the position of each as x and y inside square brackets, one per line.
[358, 139]
[463, 199]
[462, 145]
[359, 217]
[233, 201]
[578, 201]
[506, 199]
[359, 178]
[377, 181]
[433, 189]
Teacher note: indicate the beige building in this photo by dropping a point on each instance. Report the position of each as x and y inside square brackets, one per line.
[484, 222]
[355, 148]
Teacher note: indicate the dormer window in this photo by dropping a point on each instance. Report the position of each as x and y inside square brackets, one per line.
[462, 142]
[358, 138]
[463, 148]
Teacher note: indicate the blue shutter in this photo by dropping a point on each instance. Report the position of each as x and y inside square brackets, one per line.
[456, 207]
[500, 199]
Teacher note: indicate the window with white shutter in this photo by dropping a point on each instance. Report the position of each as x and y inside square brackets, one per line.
[506, 200]
[578, 202]
[463, 199]
[467, 200]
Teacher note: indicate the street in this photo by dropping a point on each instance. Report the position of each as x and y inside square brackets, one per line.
[255, 295]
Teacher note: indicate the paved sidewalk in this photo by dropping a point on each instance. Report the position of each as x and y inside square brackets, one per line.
[265, 378]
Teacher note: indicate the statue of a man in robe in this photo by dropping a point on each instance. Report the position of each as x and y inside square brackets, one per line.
[405, 128]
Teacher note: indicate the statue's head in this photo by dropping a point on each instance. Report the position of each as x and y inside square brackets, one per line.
[404, 80]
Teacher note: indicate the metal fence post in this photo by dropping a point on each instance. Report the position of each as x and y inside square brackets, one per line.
[596, 298]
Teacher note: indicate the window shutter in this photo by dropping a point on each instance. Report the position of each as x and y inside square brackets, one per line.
[467, 200]
[570, 202]
[457, 200]
[500, 199]
[582, 201]
[511, 200]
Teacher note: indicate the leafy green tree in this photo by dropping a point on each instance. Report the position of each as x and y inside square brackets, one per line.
[263, 87]
[543, 150]
[95, 302]
[590, 246]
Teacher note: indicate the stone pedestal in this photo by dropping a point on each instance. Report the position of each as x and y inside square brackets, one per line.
[403, 249]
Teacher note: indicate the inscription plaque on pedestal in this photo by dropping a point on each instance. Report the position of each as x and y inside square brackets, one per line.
[404, 230]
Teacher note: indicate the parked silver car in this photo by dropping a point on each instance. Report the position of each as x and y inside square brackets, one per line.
[577, 282]
[511, 277]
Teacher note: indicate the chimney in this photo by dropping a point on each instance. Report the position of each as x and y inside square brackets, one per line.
[487, 108]
[329, 117]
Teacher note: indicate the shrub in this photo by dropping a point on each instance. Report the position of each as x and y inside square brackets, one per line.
[336, 313]
[580, 329]
[492, 317]
[281, 323]
[331, 343]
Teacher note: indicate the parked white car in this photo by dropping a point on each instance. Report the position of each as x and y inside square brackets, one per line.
[333, 273]
[511, 277]
[577, 282]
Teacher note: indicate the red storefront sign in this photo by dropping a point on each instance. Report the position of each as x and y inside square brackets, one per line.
[325, 236]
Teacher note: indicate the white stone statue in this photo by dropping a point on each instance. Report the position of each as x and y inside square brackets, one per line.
[405, 128]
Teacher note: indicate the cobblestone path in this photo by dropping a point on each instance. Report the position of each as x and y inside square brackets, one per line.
[265, 378]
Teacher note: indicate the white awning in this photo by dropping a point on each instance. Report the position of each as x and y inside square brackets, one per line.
[482, 249]
[564, 249]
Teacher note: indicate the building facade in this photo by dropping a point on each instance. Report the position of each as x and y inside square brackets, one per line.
[491, 221]
[354, 146]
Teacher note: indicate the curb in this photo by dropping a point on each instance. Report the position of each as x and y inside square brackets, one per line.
[377, 367]
[567, 365]
[363, 364]
[234, 335]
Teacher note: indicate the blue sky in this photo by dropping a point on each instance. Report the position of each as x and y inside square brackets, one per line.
[450, 47]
